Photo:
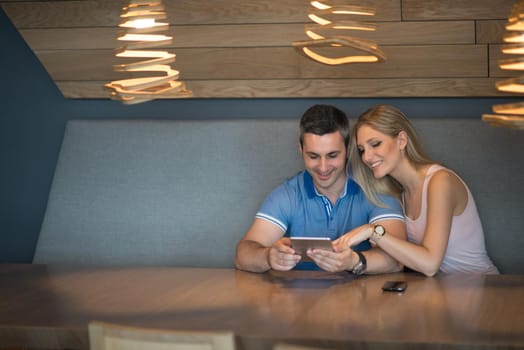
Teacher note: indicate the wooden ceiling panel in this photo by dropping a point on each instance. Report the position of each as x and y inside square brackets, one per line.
[242, 48]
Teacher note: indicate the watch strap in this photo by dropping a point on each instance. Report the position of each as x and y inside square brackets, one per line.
[361, 266]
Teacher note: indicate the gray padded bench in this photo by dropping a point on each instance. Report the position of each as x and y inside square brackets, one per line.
[182, 193]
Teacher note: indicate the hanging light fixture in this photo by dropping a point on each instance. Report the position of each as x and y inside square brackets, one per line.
[512, 114]
[330, 33]
[152, 71]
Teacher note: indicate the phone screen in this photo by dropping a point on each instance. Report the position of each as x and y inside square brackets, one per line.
[302, 244]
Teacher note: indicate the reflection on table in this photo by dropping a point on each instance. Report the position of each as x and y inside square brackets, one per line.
[50, 306]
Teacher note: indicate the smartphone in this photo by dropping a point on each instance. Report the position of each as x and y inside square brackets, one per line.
[302, 244]
[395, 286]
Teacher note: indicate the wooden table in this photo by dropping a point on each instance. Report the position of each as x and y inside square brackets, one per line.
[50, 306]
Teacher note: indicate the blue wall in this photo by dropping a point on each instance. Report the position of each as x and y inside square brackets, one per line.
[33, 114]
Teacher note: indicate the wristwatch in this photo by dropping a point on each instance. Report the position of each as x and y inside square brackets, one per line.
[360, 267]
[378, 232]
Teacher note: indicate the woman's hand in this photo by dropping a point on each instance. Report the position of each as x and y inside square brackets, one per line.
[353, 238]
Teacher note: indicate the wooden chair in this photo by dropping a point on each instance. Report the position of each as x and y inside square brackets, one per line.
[106, 336]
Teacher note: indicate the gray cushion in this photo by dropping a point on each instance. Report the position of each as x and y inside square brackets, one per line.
[161, 192]
[184, 192]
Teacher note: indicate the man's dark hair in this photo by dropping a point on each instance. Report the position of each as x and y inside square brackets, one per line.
[324, 119]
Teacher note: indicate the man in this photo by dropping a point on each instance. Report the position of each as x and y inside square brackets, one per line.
[321, 200]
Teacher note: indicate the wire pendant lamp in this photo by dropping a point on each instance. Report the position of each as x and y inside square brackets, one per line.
[331, 41]
[151, 71]
[511, 114]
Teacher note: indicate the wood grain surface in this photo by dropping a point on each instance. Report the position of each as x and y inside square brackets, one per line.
[50, 307]
[242, 48]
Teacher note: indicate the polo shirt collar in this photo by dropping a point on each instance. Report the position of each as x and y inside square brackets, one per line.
[350, 186]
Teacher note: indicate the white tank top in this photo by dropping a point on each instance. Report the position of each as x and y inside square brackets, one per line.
[466, 251]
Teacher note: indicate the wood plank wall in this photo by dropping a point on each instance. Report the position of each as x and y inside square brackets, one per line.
[241, 48]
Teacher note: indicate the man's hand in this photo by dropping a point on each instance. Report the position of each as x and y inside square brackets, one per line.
[335, 261]
[343, 258]
[281, 256]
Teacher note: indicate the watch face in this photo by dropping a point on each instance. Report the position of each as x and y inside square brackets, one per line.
[359, 269]
[379, 230]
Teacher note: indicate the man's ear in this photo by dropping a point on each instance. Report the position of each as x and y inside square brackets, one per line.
[402, 139]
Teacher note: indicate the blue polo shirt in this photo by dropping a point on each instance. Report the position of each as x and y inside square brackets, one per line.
[300, 210]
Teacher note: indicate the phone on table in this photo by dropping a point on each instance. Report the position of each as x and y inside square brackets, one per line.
[302, 244]
[395, 286]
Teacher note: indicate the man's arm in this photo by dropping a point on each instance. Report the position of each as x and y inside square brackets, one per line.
[378, 261]
[393, 221]
[263, 247]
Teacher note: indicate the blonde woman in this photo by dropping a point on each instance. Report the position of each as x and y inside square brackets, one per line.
[443, 226]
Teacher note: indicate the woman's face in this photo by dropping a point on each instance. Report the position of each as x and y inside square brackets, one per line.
[380, 152]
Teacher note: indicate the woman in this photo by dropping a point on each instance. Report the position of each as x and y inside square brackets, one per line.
[443, 226]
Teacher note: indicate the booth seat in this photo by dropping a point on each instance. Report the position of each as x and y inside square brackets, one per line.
[182, 193]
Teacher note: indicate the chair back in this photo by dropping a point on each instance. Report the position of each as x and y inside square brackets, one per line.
[288, 346]
[106, 336]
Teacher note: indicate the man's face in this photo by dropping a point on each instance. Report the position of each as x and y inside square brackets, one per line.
[325, 160]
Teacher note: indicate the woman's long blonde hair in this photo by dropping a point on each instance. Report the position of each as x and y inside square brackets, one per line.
[391, 121]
